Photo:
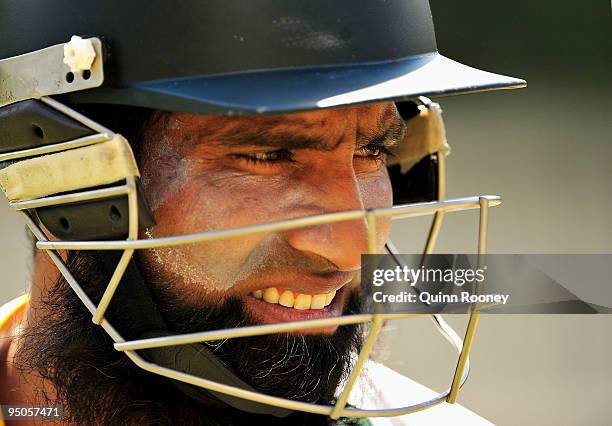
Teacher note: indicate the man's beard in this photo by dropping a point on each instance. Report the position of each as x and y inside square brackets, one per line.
[99, 385]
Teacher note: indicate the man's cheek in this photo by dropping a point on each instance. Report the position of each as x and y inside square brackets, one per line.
[376, 190]
[195, 270]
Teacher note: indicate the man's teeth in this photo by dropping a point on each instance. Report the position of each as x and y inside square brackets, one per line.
[293, 300]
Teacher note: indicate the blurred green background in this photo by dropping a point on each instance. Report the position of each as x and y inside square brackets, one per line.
[547, 151]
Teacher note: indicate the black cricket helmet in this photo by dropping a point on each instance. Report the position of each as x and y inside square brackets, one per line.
[249, 57]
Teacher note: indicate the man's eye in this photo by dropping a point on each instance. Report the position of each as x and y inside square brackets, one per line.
[371, 152]
[266, 157]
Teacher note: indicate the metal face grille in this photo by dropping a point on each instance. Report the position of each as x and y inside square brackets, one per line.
[132, 243]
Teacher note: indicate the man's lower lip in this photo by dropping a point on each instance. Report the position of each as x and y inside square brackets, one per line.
[270, 313]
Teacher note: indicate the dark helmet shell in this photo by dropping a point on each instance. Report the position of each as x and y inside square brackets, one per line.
[255, 56]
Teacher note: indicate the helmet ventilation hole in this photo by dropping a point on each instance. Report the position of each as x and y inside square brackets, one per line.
[70, 77]
[115, 215]
[64, 224]
[38, 131]
[86, 74]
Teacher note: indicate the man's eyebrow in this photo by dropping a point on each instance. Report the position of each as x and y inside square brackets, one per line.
[279, 139]
[272, 137]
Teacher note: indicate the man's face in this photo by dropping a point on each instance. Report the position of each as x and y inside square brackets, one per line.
[204, 173]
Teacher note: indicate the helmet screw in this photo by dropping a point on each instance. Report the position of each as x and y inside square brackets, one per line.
[79, 54]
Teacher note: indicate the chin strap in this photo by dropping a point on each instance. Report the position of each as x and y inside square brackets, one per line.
[145, 321]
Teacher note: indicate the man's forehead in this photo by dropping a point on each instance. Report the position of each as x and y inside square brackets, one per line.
[365, 120]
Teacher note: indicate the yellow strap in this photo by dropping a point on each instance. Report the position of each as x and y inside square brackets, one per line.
[80, 168]
[9, 309]
[7, 314]
[425, 135]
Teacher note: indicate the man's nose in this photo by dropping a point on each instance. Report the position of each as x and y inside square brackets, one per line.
[341, 243]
